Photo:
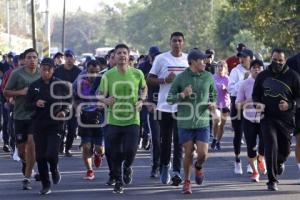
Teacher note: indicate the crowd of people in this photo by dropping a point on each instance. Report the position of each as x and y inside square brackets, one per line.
[165, 99]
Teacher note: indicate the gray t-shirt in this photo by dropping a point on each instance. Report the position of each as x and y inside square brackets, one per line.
[18, 80]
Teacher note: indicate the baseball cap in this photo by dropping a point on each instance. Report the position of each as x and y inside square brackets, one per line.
[58, 54]
[245, 53]
[48, 61]
[69, 53]
[11, 54]
[196, 54]
[153, 51]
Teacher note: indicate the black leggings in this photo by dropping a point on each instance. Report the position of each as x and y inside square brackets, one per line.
[277, 140]
[46, 149]
[251, 131]
[236, 121]
[123, 141]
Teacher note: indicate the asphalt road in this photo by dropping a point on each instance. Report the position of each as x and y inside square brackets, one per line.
[220, 181]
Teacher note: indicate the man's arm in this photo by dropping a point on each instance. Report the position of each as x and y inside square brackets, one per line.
[102, 93]
[9, 90]
[297, 90]
[175, 94]
[257, 90]
[30, 99]
[212, 95]
[153, 80]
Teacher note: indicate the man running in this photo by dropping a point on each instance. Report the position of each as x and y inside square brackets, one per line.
[164, 70]
[119, 90]
[277, 93]
[47, 97]
[17, 87]
[192, 90]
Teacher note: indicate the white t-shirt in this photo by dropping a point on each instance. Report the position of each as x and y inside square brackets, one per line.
[163, 65]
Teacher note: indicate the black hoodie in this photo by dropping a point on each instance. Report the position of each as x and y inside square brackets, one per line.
[40, 90]
[270, 88]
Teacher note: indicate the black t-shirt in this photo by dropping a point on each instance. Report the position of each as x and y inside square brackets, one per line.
[67, 75]
[294, 63]
[4, 67]
[145, 67]
[211, 67]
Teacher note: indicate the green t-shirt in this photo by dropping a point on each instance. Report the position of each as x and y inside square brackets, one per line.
[18, 80]
[125, 88]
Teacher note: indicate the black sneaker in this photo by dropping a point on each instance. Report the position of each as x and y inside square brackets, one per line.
[118, 189]
[45, 191]
[61, 149]
[26, 184]
[280, 168]
[111, 181]
[56, 177]
[37, 177]
[6, 148]
[272, 186]
[218, 146]
[154, 172]
[176, 180]
[127, 175]
[213, 144]
[68, 153]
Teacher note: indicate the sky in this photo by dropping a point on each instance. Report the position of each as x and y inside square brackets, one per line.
[56, 6]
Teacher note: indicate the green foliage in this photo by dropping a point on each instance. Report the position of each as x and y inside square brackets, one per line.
[275, 22]
[218, 24]
[83, 31]
[247, 37]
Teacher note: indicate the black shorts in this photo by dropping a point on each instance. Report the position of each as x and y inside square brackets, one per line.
[84, 131]
[22, 129]
[224, 110]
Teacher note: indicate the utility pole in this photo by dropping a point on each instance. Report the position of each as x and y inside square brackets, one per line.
[33, 24]
[63, 27]
[46, 43]
[8, 23]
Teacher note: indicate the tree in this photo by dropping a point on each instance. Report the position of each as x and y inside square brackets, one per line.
[84, 31]
[275, 22]
[157, 19]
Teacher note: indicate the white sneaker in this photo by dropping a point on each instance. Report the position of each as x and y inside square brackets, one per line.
[238, 168]
[15, 155]
[249, 169]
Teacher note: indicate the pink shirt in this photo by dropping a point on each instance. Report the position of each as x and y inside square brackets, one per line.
[223, 99]
[245, 93]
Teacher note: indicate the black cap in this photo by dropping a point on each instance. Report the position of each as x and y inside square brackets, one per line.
[240, 46]
[11, 54]
[196, 54]
[69, 52]
[153, 51]
[48, 61]
[245, 53]
[58, 54]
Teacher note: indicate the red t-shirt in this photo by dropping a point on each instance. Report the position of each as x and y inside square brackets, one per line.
[232, 62]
